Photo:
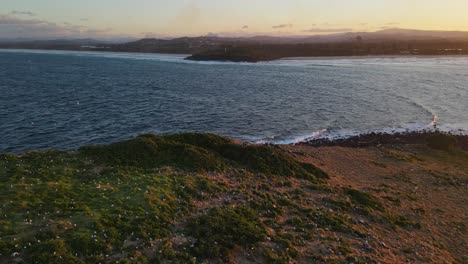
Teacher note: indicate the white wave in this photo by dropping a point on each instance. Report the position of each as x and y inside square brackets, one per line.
[435, 121]
[303, 138]
[434, 125]
[343, 134]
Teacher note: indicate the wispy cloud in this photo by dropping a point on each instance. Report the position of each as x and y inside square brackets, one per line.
[17, 26]
[16, 21]
[328, 30]
[282, 26]
[24, 13]
[245, 27]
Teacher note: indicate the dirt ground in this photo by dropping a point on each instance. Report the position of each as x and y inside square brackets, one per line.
[424, 188]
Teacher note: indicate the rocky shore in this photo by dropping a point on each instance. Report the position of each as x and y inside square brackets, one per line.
[375, 139]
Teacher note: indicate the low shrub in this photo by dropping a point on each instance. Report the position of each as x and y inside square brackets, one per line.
[364, 199]
[221, 229]
[151, 151]
[201, 152]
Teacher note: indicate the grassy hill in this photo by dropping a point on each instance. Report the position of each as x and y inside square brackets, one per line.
[201, 198]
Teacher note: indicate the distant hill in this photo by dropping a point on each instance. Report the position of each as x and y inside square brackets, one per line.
[260, 48]
[413, 34]
[393, 34]
[384, 42]
[56, 44]
[61, 44]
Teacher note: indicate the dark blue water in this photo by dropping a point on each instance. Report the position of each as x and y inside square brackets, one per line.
[69, 99]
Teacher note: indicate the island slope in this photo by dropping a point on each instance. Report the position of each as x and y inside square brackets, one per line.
[199, 197]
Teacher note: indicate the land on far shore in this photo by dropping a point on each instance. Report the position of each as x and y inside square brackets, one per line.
[264, 48]
[202, 198]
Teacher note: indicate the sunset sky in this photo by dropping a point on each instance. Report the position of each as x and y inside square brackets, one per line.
[140, 18]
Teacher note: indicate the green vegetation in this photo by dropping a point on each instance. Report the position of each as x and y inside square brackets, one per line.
[200, 152]
[364, 199]
[221, 229]
[395, 201]
[57, 202]
[150, 151]
[404, 222]
[124, 201]
[201, 198]
[336, 222]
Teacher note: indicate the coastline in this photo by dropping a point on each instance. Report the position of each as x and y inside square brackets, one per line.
[371, 57]
[188, 57]
[70, 51]
[247, 58]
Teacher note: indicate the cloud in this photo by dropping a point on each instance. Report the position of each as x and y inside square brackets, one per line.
[245, 27]
[392, 23]
[24, 13]
[84, 19]
[18, 27]
[7, 20]
[328, 30]
[282, 26]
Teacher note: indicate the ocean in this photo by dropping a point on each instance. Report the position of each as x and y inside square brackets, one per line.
[66, 99]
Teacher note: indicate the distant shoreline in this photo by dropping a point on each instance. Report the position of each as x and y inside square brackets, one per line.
[182, 55]
[363, 57]
[196, 57]
[192, 57]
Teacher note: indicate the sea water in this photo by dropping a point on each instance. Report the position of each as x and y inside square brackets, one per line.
[66, 99]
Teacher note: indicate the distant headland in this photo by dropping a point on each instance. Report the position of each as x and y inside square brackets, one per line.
[402, 42]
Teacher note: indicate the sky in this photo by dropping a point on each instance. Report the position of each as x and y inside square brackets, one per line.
[47, 19]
